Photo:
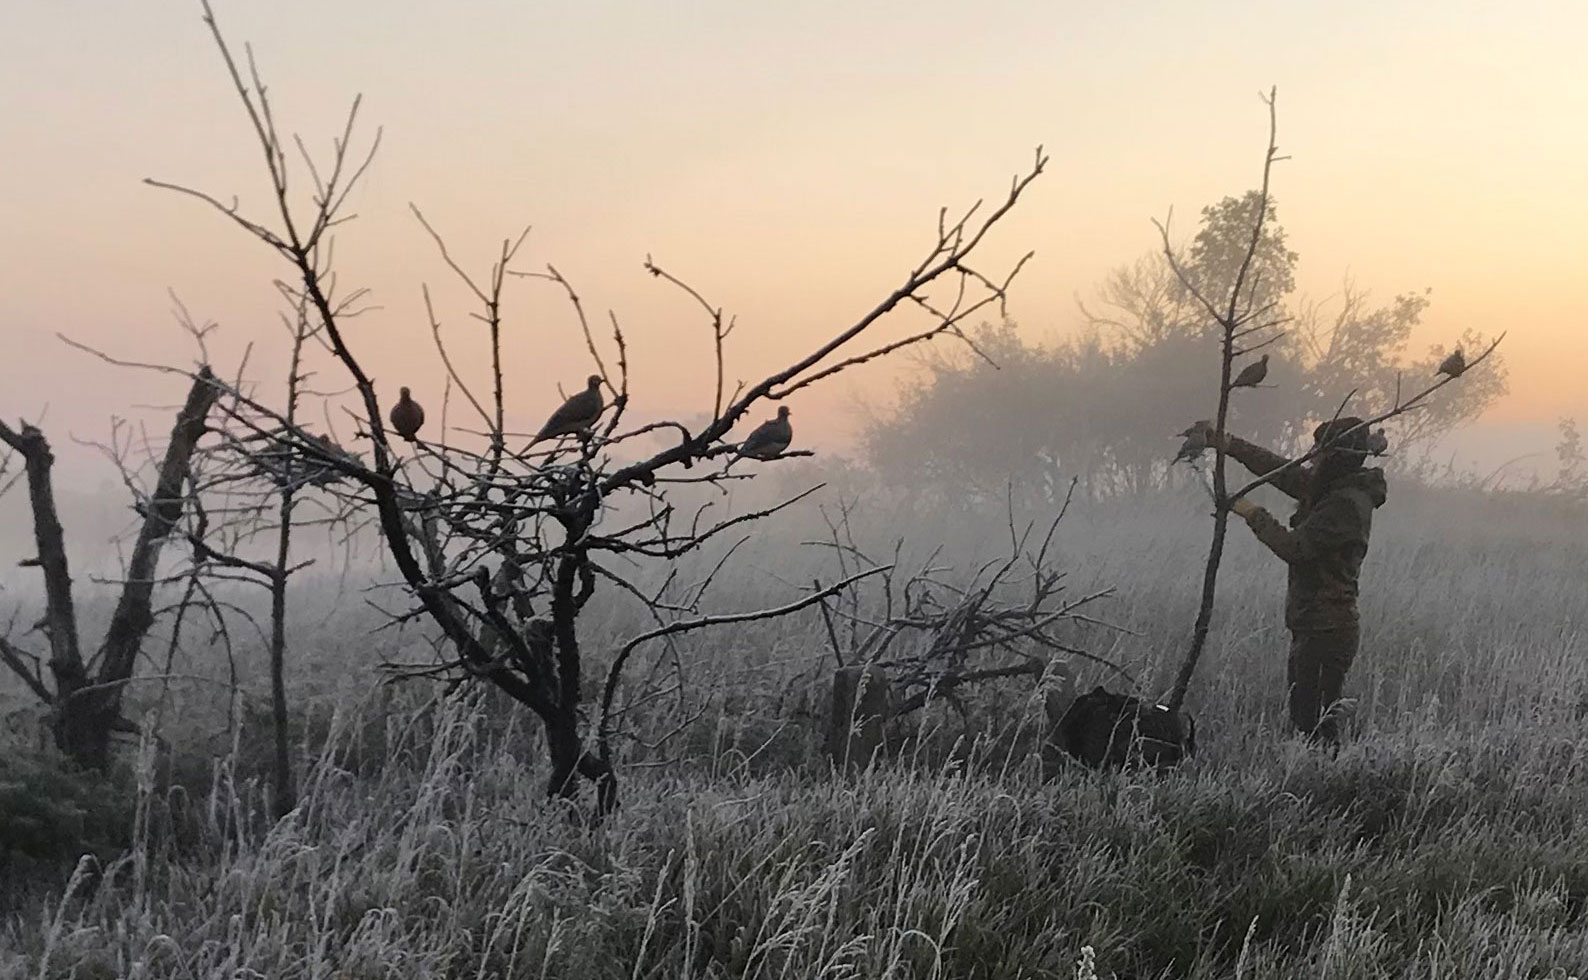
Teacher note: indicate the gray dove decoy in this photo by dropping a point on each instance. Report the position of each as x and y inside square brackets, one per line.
[407, 416]
[1377, 442]
[1196, 442]
[577, 414]
[769, 438]
[1453, 365]
[1252, 374]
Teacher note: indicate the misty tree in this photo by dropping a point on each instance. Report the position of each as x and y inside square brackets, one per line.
[1102, 404]
[947, 433]
[1214, 262]
[1571, 459]
[1347, 342]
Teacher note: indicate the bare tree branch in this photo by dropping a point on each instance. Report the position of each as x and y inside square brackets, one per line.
[702, 622]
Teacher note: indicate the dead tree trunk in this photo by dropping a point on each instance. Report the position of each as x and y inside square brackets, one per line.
[1236, 325]
[565, 747]
[88, 710]
[285, 790]
[60, 618]
[1221, 524]
[286, 794]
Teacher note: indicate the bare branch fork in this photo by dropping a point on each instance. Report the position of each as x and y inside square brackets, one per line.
[950, 254]
[1398, 407]
[615, 672]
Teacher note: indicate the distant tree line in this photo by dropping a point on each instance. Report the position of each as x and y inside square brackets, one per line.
[1104, 404]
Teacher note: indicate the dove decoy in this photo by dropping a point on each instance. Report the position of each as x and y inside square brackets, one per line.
[577, 414]
[769, 438]
[1252, 374]
[407, 416]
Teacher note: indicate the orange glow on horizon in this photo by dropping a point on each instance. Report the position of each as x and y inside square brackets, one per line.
[786, 162]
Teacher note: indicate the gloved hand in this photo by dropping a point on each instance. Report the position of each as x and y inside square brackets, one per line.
[1244, 508]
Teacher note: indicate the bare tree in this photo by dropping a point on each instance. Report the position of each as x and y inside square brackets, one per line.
[504, 550]
[1570, 478]
[262, 480]
[244, 485]
[85, 697]
[1013, 618]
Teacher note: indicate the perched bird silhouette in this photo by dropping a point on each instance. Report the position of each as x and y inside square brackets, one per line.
[407, 417]
[1196, 442]
[1377, 442]
[769, 438]
[1252, 374]
[577, 414]
[1453, 365]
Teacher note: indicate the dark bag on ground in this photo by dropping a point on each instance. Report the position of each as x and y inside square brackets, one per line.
[1105, 730]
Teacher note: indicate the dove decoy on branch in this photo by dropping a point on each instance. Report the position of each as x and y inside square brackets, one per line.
[577, 414]
[1377, 443]
[407, 417]
[1453, 365]
[769, 438]
[1196, 442]
[1252, 374]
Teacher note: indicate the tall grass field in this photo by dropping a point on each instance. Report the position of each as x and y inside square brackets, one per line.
[1447, 839]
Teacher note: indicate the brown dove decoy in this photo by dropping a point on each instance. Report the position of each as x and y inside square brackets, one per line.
[577, 414]
[1252, 374]
[1454, 364]
[407, 417]
[769, 438]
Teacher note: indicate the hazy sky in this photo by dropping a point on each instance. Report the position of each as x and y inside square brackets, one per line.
[786, 159]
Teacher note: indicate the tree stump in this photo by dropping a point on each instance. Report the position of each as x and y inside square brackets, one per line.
[862, 706]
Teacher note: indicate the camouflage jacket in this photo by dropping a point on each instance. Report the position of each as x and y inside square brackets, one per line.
[1325, 542]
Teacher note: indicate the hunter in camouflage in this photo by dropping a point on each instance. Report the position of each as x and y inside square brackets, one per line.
[1323, 547]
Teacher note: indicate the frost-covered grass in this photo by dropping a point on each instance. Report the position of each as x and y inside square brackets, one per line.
[1449, 838]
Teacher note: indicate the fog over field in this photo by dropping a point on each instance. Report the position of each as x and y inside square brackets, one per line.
[828, 491]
